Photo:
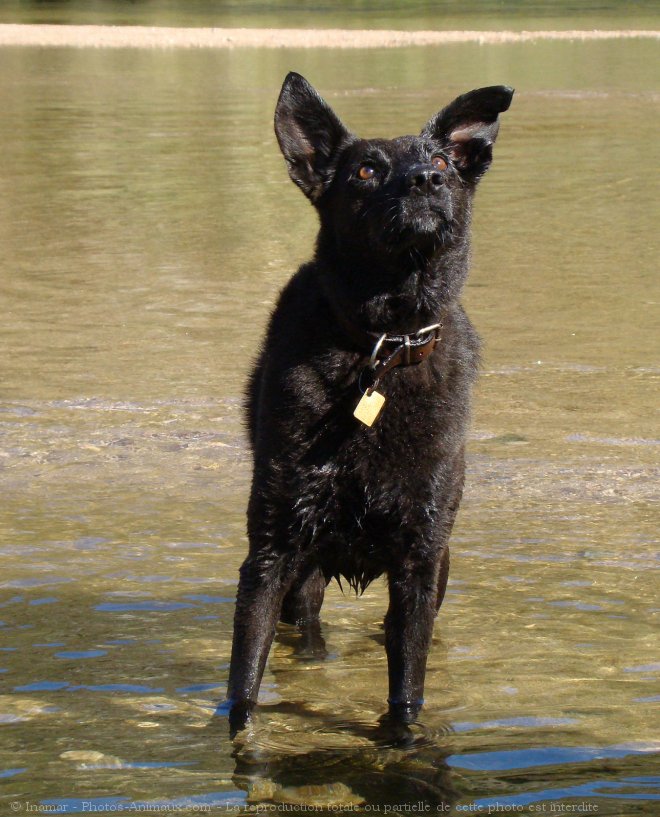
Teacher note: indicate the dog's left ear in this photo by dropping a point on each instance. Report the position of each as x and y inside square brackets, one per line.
[309, 133]
[468, 127]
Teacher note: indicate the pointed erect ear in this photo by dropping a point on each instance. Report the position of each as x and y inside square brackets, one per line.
[310, 135]
[468, 127]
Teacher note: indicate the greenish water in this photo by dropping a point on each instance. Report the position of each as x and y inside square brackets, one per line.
[406, 14]
[147, 223]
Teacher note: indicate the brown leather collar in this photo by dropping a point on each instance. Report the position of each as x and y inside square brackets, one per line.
[388, 351]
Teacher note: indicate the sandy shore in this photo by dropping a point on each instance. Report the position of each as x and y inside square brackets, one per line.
[152, 37]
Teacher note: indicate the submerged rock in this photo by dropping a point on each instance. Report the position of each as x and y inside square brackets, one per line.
[325, 796]
[328, 795]
[88, 759]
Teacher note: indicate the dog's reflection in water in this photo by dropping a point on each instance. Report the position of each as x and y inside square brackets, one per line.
[309, 755]
[392, 767]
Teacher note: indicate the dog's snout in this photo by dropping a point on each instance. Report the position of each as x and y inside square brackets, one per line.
[424, 179]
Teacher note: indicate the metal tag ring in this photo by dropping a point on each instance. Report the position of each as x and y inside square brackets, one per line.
[376, 349]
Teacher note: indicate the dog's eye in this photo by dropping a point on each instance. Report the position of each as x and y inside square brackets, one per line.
[439, 163]
[366, 172]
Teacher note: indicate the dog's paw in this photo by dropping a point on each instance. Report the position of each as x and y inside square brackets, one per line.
[238, 714]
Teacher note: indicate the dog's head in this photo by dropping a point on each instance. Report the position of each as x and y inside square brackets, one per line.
[385, 197]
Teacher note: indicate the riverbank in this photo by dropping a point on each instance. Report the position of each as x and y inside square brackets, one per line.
[163, 37]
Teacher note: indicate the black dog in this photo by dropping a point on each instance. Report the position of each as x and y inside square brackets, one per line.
[345, 486]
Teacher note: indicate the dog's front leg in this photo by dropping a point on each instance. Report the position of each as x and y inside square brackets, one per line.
[261, 588]
[408, 630]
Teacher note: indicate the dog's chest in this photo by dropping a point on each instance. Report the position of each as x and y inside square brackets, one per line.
[357, 496]
[352, 479]
[359, 511]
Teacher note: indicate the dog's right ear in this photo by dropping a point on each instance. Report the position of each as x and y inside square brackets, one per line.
[309, 133]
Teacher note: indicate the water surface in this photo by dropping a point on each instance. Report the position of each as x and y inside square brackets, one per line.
[147, 226]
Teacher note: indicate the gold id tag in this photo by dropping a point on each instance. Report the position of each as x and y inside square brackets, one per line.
[369, 407]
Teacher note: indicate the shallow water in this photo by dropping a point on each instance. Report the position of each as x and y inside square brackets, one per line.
[147, 225]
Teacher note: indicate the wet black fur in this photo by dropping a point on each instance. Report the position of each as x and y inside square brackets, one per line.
[331, 497]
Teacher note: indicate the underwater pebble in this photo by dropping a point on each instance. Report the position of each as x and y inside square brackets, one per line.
[13, 709]
[261, 789]
[327, 796]
[76, 754]
[87, 759]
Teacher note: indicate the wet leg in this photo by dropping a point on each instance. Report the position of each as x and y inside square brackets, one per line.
[261, 590]
[302, 606]
[303, 601]
[408, 631]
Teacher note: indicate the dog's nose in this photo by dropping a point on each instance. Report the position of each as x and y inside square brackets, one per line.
[424, 179]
